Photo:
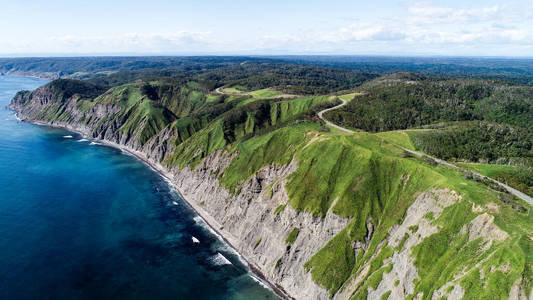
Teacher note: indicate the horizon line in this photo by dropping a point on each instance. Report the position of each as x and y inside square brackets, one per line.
[222, 54]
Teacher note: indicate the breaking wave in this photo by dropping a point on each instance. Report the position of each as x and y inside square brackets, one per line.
[219, 260]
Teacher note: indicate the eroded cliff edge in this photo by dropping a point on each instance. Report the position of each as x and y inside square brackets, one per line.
[382, 226]
[247, 220]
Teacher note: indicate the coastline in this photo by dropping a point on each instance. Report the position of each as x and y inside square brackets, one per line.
[35, 75]
[218, 229]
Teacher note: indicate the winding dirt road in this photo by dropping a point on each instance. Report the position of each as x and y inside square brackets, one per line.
[509, 189]
[320, 113]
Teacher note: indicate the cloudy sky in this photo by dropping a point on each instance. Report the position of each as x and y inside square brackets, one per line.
[383, 27]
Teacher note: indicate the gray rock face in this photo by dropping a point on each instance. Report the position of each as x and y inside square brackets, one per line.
[400, 281]
[253, 227]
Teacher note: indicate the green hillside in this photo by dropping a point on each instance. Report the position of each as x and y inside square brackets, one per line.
[368, 179]
[461, 119]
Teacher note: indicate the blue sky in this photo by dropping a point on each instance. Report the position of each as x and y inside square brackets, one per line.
[382, 27]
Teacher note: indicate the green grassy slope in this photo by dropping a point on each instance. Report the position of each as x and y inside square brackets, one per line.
[241, 123]
[365, 177]
[464, 141]
[137, 114]
[519, 177]
[141, 108]
[370, 181]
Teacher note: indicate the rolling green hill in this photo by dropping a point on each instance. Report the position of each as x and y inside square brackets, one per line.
[471, 120]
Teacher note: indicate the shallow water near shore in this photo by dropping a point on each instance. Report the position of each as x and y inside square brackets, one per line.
[79, 220]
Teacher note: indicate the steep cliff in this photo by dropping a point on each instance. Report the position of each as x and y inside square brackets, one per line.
[319, 214]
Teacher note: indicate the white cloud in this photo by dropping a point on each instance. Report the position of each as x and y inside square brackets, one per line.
[134, 42]
[426, 25]
[424, 12]
[367, 32]
[421, 27]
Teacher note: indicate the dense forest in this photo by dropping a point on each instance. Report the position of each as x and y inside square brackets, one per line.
[252, 72]
[516, 71]
[398, 102]
[519, 69]
[477, 141]
[84, 67]
[295, 79]
[512, 70]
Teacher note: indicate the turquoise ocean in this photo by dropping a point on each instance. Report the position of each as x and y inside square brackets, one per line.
[79, 220]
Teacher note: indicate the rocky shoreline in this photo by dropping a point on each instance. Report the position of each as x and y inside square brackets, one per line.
[38, 75]
[251, 220]
[168, 176]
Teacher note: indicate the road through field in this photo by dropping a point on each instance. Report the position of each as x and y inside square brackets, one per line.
[509, 189]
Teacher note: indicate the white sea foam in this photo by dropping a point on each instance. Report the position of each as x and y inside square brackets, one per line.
[220, 260]
[67, 136]
[223, 246]
[259, 280]
[200, 221]
[83, 140]
[167, 180]
[126, 152]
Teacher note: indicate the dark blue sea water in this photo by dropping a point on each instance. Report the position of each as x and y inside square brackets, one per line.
[84, 221]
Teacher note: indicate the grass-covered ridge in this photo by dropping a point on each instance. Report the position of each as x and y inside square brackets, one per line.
[371, 184]
[392, 184]
[138, 113]
[366, 178]
[256, 121]
[63, 89]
